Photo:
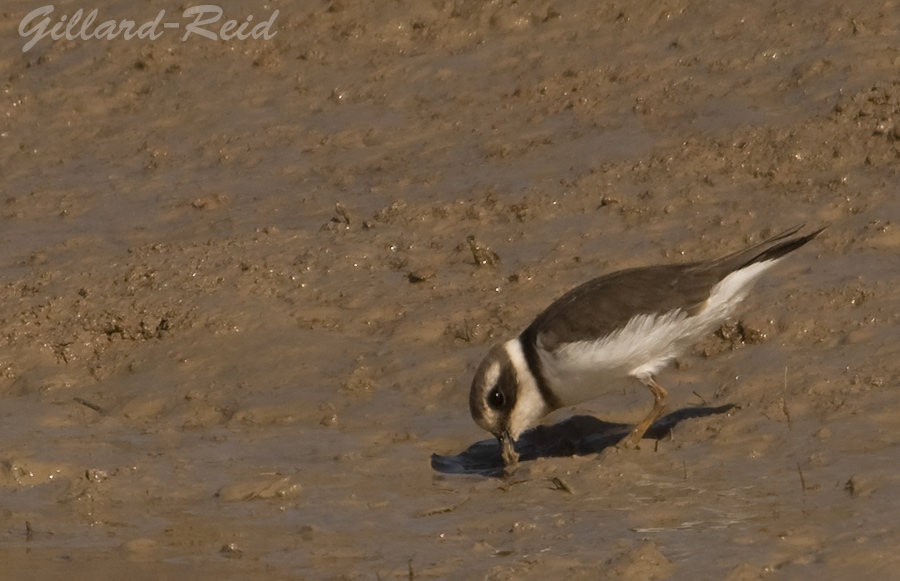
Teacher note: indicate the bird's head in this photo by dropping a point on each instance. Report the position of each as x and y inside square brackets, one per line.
[504, 399]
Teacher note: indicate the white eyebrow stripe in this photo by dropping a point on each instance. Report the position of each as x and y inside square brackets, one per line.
[492, 375]
[516, 355]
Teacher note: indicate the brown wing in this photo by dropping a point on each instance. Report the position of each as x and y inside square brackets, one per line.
[604, 304]
[607, 303]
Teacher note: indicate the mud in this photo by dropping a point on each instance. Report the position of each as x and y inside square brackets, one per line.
[245, 285]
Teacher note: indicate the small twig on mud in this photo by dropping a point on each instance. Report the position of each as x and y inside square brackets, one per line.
[88, 404]
[784, 407]
[443, 509]
[802, 480]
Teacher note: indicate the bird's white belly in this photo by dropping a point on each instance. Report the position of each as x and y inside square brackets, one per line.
[572, 386]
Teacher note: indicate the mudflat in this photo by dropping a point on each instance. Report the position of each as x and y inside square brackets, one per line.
[245, 284]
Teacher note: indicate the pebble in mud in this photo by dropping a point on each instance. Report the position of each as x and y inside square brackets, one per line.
[231, 551]
[860, 486]
[421, 275]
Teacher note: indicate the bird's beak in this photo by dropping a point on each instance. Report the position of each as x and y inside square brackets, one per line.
[508, 449]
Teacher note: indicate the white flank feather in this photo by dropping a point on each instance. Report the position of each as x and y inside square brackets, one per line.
[584, 370]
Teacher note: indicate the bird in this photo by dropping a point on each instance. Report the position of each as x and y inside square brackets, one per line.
[621, 327]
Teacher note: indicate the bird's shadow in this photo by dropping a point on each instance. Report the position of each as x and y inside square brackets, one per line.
[578, 435]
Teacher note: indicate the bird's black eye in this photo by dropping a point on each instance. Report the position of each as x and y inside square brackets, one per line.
[496, 399]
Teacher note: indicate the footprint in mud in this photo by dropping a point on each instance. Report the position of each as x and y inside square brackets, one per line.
[578, 435]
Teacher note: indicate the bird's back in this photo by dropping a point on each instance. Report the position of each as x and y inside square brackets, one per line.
[607, 303]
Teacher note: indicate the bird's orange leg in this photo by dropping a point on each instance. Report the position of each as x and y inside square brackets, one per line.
[659, 405]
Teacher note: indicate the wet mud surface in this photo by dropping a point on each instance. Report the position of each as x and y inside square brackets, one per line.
[575, 435]
[245, 285]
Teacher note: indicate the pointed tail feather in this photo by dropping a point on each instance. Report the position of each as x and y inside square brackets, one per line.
[770, 249]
